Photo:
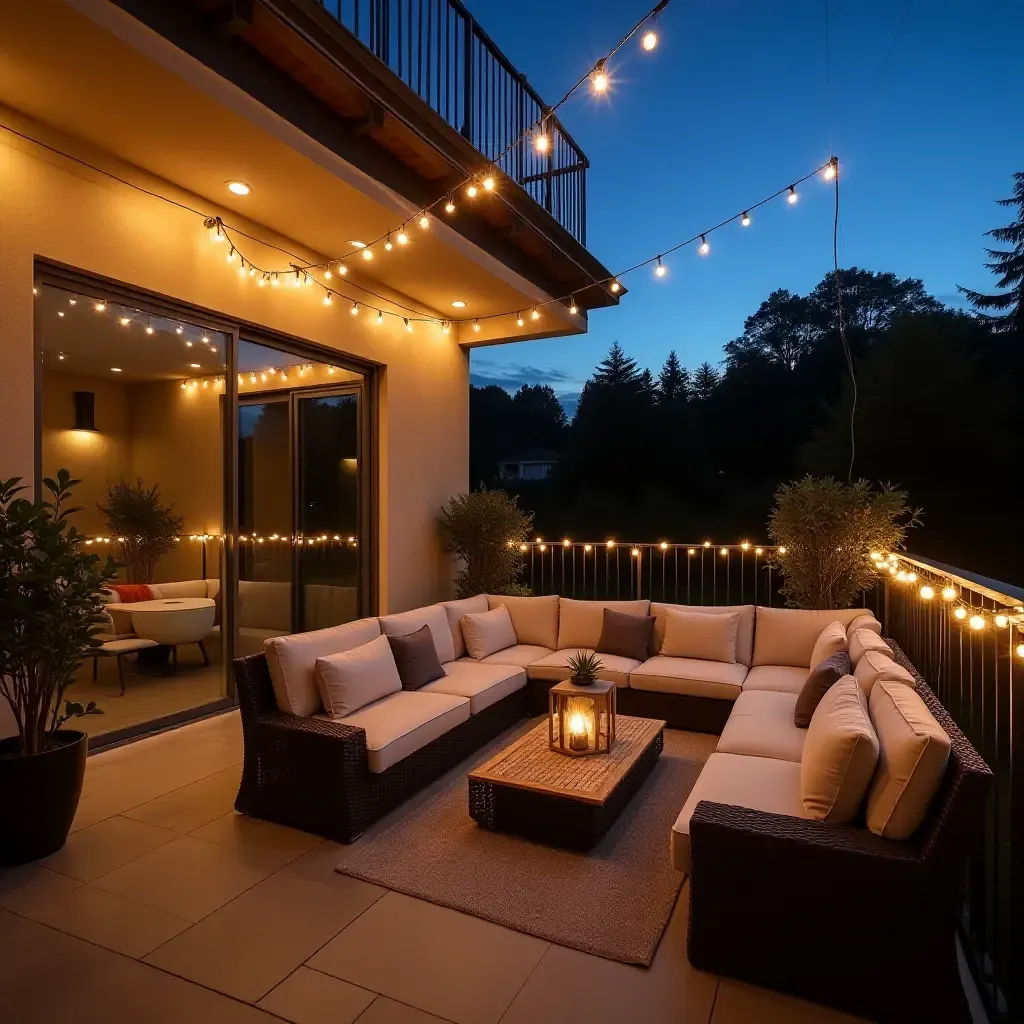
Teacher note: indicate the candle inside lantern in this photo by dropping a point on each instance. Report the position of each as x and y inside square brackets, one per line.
[578, 732]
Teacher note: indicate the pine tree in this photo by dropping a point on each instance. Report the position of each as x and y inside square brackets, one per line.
[1008, 265]
[705, 380]
[673, 382]
[616, 369]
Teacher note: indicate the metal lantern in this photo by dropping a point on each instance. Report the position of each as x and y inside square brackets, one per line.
[581, 719]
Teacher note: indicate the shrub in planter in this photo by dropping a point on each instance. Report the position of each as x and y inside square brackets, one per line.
[484, 529]
[146, 528]
[49, 612]
[829, 529]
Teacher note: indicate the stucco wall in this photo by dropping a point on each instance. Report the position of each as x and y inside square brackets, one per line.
[54, 209]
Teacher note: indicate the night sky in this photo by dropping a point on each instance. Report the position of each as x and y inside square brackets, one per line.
[735, 103]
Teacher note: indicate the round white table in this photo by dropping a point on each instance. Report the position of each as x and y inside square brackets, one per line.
[171, 621]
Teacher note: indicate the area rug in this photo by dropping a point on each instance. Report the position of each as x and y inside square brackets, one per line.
[614, 901]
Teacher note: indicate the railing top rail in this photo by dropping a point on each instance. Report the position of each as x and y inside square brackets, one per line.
[743, 546]
[996, 590]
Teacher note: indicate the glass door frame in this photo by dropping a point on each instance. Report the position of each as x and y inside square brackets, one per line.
[236, 329]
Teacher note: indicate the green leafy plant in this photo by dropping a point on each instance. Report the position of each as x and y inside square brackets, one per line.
[828, 530]
[146, 528]
[50, 608]
[484, 529]
[584, 667]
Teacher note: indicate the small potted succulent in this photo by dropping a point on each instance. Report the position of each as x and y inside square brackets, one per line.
[584, 668]
[50, 611]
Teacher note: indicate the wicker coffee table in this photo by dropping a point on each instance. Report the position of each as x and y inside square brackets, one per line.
[533, 791]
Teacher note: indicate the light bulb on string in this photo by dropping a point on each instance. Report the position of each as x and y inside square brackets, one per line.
[367, 254]
[327, 273]
[927, 592]
[660, 270]
[831, 169]
[403, 237]
[275, 282]
[615, 287]
[1020, 650]
[488, 183]
[541, 142]
[977, 622]
[745, 219]
[424, 222]
[960, 613]
[1002, 621]
[476, 326]
[705, 248]
[327, 299]
[388, 245]
[599, 77]
[380, 318]
[446, 327]
[650, 40]
[573, 308]
[449, 207]
[949, 593]
[472, 190]
[355, 309]
[535, 315]
[408, 326]
[519, 319]
[792, 197]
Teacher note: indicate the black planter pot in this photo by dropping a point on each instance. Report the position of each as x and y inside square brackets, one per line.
[39, 796]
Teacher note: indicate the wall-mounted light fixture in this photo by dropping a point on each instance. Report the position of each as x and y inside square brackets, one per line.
[85, 410]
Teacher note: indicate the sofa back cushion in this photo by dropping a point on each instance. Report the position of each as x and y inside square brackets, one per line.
[292, 661]
[864, 621]
[432, 615]
[840, 754]
[580, 622]
[831, 640]
[745, 631]
[455, 610]
[821, 679]
[626, 636]
[416, 658]
[786, 636]
[535, 619]
[180, 588]
[864, 640]
[876, 665]
[693, 634]
[487, 633]
[913, 752]
[352, 679]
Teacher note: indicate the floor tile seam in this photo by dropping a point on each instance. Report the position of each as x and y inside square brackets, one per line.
[547, 949]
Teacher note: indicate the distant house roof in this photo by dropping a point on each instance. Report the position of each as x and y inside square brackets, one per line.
[532, 455]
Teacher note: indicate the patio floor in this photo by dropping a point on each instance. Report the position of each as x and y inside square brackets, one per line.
[166, 906]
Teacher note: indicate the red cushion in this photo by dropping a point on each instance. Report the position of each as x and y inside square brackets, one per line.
[128, 593]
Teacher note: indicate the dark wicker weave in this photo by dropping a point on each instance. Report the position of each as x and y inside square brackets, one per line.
[677, 710]
[312, 774]
[836, 914]
[558, 820]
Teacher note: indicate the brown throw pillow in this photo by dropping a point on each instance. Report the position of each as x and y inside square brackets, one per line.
[822, 676]
[628, 636]
[416, 658]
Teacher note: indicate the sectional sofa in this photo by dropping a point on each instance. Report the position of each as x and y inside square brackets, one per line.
[851, 909]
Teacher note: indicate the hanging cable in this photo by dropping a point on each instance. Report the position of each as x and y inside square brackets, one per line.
[842, 325]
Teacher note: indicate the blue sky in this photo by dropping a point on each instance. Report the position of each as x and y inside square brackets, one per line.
[734, 104]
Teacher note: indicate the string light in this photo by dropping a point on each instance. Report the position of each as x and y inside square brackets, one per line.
[367, 254]
[489, 183]
[572, 306]
[449, 207]
[388, 245]
[403, 238]
[355, 309]
[476, 326]
[792, 197]
[519, 320]
[471, 191]
[380, 318]
[660, 270]
[540, 143]
[650, 40]
[831, 169]
[408, 326]
[705, 248]
[949, 593]
[615, 286]
[327, 299]
[599, 77]
[100, 306]
[960, 613]
[927, 592]
[745, 219]
[1002, 621]
[977, 622]
[424, 222]
[535, 315]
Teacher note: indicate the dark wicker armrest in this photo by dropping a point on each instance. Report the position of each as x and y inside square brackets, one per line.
[323, 728]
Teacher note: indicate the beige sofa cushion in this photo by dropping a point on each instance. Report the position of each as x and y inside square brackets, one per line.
[580, 622]
[760, 783]
[455, 610]
[292, 660]
[693, 634]
[780, 678]
[352, 679]
[874, 666]
[432, 615]
[480, 683]
[555, 667]
[535, 619]
[744, 634]
[399, 725]
[840, 755]
[864, 640]
[522, 655]
[865, 621]
[181, 588]
[786, 636]
[913, 752]
[831, 640]
[762, 725]
[718, 679]
[487, 633]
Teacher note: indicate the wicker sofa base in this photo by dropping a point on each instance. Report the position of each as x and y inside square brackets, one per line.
[677, 710]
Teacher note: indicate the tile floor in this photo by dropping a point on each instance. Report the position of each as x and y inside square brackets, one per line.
[166, 906]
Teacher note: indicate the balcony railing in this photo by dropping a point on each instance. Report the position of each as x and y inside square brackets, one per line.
[970, 658]
[438, 50]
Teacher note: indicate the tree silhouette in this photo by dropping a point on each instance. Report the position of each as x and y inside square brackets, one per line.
[673, 382]
[1008, 266]
[872, 301]
[705, 380]
[616, 369]
[782, 331]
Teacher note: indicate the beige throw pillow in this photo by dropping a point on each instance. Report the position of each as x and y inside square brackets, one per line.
[864, 640]
[691, 634]
[865, 621]
[351, 680]
[874, 666]
[839, 756]
[534, 619]
[488, 632]
[831, 640]
[913, 752]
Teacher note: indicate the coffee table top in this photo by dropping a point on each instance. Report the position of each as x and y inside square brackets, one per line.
[164, 604]
[531, 764]
[598, 686]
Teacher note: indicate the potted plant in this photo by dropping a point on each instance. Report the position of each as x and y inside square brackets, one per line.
[584, 667]
[49, 612]
[146, 528]
[827, 530]
[484, 529]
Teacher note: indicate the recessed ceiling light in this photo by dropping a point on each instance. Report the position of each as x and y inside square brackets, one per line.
[195, 366]
[115, 369]
[355, 243]
[459, 304]
[240, 188]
